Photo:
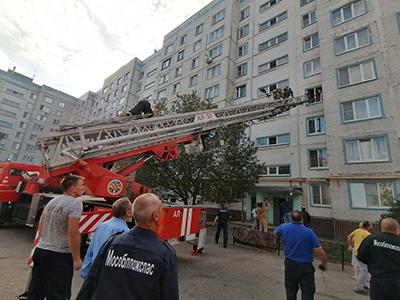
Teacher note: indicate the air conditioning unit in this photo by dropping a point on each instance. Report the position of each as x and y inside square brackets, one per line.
[209, 60]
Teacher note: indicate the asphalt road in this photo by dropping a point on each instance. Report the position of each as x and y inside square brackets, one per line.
[238, 272]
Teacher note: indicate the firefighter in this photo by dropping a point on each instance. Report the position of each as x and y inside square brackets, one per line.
[135, 264]
[278, 93]
[287, 92]
[143, 107]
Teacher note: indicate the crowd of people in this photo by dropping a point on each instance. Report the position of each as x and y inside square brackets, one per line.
[123, 263]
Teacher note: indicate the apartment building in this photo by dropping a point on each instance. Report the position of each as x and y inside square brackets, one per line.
[339, 156]
[27, 109]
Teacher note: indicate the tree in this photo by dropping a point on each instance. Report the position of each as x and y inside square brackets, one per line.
[219, 174]
[393, 211]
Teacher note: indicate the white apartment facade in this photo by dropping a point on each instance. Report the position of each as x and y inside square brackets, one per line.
[27, 109]
[340, 155]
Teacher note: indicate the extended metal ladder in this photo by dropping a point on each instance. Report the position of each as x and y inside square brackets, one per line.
[110, 137]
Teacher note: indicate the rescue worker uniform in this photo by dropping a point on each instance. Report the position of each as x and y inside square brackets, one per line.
[133, 265]
[144, 107]
[381, 253]
[223, 218]
[287, 92]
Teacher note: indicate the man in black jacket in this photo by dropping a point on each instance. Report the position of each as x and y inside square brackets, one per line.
[135, 264]
[381, 252]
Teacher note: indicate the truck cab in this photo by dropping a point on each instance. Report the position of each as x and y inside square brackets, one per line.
[10, 176]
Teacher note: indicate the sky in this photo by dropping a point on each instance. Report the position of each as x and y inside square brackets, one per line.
[73, 45]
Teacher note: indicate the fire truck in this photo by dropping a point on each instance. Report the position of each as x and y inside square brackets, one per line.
[89, 149]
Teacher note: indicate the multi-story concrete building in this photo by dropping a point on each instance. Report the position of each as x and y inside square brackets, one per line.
[27, 109]
[340, 155]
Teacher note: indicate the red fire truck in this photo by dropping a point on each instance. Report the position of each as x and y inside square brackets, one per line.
[88, 149]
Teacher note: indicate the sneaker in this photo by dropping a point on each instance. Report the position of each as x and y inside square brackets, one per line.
[362, 292]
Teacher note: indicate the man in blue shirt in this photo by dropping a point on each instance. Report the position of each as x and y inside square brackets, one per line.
[122, 211]
[300, 242]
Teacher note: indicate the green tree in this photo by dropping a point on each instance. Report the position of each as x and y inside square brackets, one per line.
[221, 173]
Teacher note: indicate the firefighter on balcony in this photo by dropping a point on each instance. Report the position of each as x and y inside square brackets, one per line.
[143, 107]
[278, 94]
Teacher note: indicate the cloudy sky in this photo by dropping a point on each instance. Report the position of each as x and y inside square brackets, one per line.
[73, 45]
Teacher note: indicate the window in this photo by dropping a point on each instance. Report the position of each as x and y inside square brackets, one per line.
[18, 135]
[112, 85]
[113, 104]
[361, 109]
[318, 158]
[217, 51]
[183, 40]
[273, 64]
[214, 71]
[169, 48]
[56, 122]
[149, 85]
[309, 19]
[178, 71]
[59, 113]
[352, 41]
[268, 4]
[310, 42]
[273, 21]
[243, 31]
[45, 109]
[8, 113]
[106, 108]
[105, 90]
[197, 45]
[273, 140]
[216, 34]
[304, 2]
[152, 72]
[30, 148]
[26, 115]
[14, 93]
[218, 17]
[180, 55]
[195, 62]
[32, 137]
[141, 75]
[320, 194]
[212, 92]
[116, 93]
[61, 104]
[245, 13]
[269, 88]
[315, 93]
[312, 67]
[38, 127]
[356, 73]
[41, 118]
[241, 70]
[367, 150]
[14, 104]
[193, 80]
[139, 87]
[33, 96]
[243, 50]
[240, 91]
[166, 64]
[348, 12]
[162, 94]
[125, 88]
[22, 125]
[16, 146]
[278, 170]
[164, 78]
[102, 100]
[316, 126]
[272, 42]
[48, 99]
[126, 76]
[371, 194]
[177, 87]
[27, 158]
[119, 81]
[122, 100]
[119, 112]
[199, 29]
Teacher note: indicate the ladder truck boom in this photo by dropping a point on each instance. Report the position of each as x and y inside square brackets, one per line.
[120, 138]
